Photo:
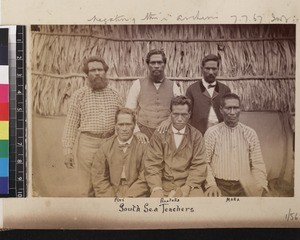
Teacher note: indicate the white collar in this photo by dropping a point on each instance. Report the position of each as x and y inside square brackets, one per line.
[159, 83]
[128, 141]
[205, 84]
[174, 130]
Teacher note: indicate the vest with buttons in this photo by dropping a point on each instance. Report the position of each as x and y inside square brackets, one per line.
[154, 105]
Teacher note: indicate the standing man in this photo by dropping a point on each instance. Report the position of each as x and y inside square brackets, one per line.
[117, 169]
[234, 155]
[150, 97]
[206, 95]
[175, 164]
[91, 114]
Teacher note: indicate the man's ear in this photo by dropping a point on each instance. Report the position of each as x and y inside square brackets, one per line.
[221, 109]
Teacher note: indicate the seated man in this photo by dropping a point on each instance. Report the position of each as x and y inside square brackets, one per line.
[175, 163]
[117, 169]
[236, 167]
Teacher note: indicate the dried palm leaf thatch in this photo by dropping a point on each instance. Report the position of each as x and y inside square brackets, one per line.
[51, 95]
[257, 61]
[253, 99]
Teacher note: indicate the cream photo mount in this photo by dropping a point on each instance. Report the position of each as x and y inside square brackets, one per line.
[52, 182]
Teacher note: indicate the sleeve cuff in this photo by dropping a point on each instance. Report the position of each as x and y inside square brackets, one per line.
[209, 184]
[156, 189]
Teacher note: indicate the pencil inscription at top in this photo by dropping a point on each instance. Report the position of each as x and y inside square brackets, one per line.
[196, 17]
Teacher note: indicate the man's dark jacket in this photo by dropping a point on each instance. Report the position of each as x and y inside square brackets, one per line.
[201, 103]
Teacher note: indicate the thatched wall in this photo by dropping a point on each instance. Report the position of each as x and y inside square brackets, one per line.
[258, 61]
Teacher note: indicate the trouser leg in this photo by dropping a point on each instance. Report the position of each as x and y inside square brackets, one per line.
[87, 147]
[230, 188]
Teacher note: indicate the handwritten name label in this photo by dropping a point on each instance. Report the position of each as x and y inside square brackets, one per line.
[118, 199]
[165, 205]
[291, 216]
[232, 199]
[196, 17]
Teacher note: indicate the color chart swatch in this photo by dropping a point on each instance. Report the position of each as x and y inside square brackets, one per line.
[4, 112]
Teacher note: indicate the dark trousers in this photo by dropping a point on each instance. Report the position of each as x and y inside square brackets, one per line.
[230, 188]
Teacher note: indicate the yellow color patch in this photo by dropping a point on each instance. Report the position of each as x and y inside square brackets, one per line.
[4, 128]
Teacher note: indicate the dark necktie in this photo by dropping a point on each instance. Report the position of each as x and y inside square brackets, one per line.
[211, 86]
[179, 133]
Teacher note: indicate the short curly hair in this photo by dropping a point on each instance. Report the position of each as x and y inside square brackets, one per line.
[94, 59]
[181, 100]
[156, 51]
[211, 57]
[124, 110]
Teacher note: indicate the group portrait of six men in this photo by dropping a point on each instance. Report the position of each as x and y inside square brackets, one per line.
[163, 142]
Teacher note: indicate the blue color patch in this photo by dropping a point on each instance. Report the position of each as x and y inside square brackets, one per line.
[3, 167]
[4, 185]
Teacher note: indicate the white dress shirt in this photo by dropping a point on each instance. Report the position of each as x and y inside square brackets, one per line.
[178, 135]
[212, 116]
[123, 175]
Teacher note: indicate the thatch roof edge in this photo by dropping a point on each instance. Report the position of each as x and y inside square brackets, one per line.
[131, 78]
[166, 39]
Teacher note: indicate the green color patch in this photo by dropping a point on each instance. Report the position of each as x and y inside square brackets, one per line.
[4, 151]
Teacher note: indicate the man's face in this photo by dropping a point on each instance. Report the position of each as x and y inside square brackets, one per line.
[124, 127]
[231, 112]
[156, 67]
[210, 71]
[97, 76]
[180, 116]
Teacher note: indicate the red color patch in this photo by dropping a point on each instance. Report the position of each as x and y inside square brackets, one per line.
[4, 112]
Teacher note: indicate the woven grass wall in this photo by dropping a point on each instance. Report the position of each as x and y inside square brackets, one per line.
[258, 61]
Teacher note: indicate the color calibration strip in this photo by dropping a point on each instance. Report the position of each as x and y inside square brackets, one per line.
[4, 112]
[16, 145]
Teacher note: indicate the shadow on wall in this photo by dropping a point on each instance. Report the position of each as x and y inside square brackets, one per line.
[52, 179]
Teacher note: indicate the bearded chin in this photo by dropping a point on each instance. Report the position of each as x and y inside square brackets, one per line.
[98, 83]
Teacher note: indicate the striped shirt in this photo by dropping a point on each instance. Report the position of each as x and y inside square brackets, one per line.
[233, 153]
[90, 111]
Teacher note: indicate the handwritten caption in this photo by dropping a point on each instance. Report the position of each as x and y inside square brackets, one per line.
[291, 216]
[164, 205]
[197, 17]
[232, 199]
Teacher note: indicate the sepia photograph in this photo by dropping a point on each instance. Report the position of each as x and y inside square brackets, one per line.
[159, 115]
[163, 111]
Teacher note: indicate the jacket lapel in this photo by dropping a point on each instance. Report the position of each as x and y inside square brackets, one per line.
[128, 161]
[203, 89]
[184, 140]
[120, 157]
[216, 91]
[170, 142]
